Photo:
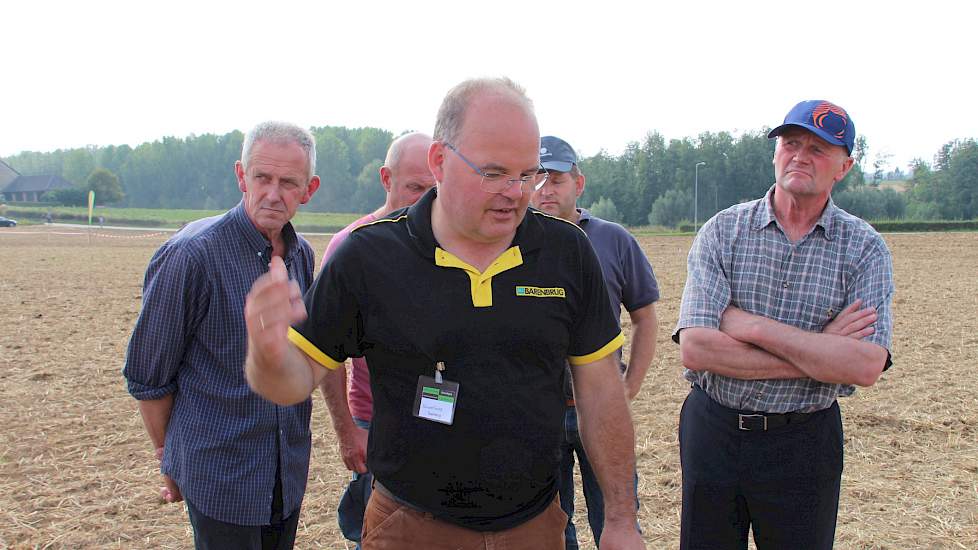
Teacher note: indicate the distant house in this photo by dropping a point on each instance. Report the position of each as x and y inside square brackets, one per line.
[17, 188]
[7, 175]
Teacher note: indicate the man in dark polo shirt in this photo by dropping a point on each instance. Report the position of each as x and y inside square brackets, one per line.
[631, 283]
[466, 308]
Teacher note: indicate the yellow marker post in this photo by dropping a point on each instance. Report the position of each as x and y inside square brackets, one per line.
[91, 205]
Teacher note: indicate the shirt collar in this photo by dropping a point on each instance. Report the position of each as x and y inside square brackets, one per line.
[529, 234]
[256, 241]
[583, 216]
[765, 215]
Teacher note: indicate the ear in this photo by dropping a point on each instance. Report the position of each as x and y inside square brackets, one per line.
[436, 160]
[385, 178]
[580, 185]
[310, 189]
[240, 174]
[846, 166]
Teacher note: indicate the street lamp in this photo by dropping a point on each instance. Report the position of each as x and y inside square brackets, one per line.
[716, 194]
[696, 191]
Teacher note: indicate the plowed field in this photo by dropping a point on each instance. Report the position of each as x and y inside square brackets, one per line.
[77, 469]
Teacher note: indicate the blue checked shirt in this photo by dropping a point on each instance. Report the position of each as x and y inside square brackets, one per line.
[742, 257]
[223, 442]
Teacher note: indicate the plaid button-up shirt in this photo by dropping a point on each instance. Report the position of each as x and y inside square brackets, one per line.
[223, 442]
[742, 257]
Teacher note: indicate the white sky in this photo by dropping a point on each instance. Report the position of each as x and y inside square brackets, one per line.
[601, 73]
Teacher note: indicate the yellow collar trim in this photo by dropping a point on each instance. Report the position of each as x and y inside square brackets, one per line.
[481, 281]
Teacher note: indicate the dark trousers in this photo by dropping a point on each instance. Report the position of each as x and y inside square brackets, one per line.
[279, 534]
[783, 482]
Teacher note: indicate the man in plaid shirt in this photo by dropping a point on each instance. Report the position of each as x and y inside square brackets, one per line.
[786, 308]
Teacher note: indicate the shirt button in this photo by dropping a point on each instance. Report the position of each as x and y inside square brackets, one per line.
[786, 284]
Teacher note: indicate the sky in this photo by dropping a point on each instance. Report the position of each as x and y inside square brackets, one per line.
[601, 74]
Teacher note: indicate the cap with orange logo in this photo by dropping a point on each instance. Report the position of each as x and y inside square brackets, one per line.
[827, 120]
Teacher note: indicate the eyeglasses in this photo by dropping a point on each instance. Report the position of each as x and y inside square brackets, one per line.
[498, 182]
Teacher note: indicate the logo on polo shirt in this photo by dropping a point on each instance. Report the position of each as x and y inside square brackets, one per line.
[538, 292]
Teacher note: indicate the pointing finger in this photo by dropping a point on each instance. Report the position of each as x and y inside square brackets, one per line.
[277, 270]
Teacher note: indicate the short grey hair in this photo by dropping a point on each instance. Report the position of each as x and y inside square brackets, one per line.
[273, 131]
[398, 145]
[451, 114]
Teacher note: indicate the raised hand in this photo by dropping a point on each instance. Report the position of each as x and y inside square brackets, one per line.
[273, 304]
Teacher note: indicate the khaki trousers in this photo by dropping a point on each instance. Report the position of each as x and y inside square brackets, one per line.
[388, 525]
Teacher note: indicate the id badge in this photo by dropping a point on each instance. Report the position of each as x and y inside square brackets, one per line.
[436, 400]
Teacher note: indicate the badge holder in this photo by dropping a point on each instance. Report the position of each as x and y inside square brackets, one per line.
[436, 397]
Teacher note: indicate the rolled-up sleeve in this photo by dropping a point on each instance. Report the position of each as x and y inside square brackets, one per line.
[174, 299]
[707, 291]
[873, 284]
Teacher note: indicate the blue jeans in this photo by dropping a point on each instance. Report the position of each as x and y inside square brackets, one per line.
[592, 491]
[349, 515]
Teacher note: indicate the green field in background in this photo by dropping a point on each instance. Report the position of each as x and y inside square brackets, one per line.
[327, 221]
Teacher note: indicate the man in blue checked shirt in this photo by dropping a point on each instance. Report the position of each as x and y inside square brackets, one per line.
[786, 308]
[240, 462]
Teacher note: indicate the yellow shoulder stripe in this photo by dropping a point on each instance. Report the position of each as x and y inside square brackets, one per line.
[545, 215]
[382, 220]
[312, 351]
[610, 347]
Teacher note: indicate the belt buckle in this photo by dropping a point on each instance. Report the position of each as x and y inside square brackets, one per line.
[741, 417]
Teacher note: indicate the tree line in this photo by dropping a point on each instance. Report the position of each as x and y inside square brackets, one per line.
[651, 182]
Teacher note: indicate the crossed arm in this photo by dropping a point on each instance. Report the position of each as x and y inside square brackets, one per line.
[752, 347]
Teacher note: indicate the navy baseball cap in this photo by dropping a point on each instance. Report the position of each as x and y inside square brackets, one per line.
[556, 154]
[825, 119]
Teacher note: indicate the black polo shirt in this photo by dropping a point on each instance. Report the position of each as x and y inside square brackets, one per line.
[391, 294]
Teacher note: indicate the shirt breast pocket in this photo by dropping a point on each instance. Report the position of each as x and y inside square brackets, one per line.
[816, 313]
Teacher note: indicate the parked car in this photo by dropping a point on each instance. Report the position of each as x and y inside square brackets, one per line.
[7, 222]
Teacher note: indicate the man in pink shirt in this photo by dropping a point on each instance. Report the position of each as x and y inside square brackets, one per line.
[405, 176]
